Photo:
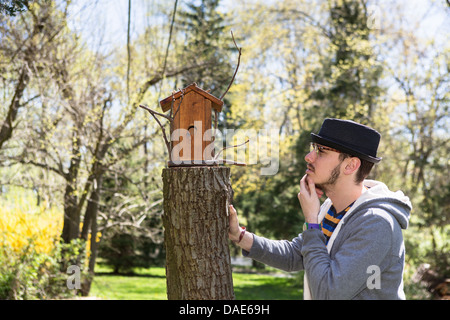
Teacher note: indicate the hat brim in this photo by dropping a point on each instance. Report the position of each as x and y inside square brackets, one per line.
[346, 149]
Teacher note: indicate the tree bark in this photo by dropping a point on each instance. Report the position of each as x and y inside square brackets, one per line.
[90, 219]
[195, 219]
[7, 127]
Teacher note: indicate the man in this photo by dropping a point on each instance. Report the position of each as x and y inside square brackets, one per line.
[352, 245]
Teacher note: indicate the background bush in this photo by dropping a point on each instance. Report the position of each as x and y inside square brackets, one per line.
[33, 262]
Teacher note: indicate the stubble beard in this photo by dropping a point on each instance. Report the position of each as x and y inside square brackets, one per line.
[326, 186]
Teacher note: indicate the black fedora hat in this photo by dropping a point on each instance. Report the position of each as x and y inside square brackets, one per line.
[349, 137]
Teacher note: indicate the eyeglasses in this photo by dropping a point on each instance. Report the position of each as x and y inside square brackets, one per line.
[319, 149]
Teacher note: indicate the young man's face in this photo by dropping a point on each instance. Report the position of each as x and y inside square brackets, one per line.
[324, 166]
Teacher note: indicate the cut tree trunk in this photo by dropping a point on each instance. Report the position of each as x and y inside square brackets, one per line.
[195, 219]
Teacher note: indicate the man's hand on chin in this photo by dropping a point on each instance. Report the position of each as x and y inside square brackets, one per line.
[309, 199]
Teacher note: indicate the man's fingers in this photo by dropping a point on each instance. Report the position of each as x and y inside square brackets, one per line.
[233, 215]
[303, 187]
[233, 231]
[319, 192]
[232, 210]
[311, 185]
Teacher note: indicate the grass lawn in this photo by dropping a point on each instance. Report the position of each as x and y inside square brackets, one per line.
[150, 284]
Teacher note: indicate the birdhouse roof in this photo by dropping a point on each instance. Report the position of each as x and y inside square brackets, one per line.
[216, 103]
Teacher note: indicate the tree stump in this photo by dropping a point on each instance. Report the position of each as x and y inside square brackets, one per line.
[198, 265]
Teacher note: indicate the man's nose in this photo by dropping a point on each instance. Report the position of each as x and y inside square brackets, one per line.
[311, 156]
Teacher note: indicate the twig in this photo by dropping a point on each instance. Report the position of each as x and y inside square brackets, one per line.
[235, 146]
[170, 38]
[157, 113]
[181, 101]
[171, 116]
[128, 51]
[171, 105]
[154, 113]
[237, 67]
[221, 161]
[216, 116]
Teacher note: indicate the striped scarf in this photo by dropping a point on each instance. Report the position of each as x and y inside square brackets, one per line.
[331, 220]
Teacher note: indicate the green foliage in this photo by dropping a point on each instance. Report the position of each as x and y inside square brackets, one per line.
[350, 71]
[347, 87]
[206, 45]
[120, 252]
[124, 251]
[132, 237]
[29, 275]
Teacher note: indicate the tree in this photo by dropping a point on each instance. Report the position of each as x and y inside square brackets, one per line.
[25, 51]
[130, 214]
[349, 72]
[204, 30]
[198, 265]
[419, 134]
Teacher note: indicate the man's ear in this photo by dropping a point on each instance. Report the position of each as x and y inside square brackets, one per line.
[352, 165]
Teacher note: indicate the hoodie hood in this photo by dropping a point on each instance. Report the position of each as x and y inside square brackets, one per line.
[379, 196]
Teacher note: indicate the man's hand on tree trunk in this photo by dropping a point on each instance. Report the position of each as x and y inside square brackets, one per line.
[237, 234]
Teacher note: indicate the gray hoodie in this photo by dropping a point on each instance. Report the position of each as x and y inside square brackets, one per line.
[364, 257]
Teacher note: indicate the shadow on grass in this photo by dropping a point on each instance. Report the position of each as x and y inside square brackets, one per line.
[268, 288]
[129, 274]
[150, 284]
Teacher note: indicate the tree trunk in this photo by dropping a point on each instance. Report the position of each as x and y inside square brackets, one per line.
[90, 221]
[71, 226]
[195, 219]
[8, 125]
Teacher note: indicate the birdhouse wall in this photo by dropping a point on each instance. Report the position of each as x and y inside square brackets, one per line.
[194, 109]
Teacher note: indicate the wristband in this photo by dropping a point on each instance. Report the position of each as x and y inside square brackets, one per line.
[308, 226]
[240, 236]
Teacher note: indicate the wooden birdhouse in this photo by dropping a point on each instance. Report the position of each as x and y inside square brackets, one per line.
[191, 127]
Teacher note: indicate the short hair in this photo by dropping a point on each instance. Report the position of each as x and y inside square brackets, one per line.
[363, 170]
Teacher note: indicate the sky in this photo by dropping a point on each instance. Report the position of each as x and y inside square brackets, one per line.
[106, 20]
[103, 23]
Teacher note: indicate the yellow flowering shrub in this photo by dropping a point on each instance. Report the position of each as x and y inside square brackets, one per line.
[30, 250]
[24, 225]
[33, 260]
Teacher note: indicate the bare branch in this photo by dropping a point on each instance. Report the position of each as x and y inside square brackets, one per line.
[237, 67]
[235, 146]
[43, 166]
[222, 161]
[154, 114]
[128, 50]
[170, 38]
[178, 109]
